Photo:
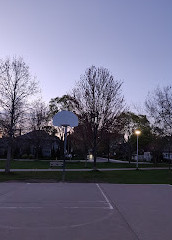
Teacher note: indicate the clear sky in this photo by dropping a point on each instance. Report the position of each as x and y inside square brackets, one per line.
[59, 39]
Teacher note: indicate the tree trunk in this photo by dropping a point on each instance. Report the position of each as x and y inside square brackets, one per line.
[129, 152]
[9, 156]
[95, 148]
[108, 153]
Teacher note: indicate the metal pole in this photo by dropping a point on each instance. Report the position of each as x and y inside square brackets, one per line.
[64, 162]
[137, 151]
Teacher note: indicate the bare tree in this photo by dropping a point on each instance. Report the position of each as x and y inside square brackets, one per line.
[98, 101]
[17, 86]
[159, 107]
[39, 115]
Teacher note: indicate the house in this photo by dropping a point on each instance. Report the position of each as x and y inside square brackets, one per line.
[167, 152]
[145, 157]
[37, 143]
[3, 146]
[167, 155]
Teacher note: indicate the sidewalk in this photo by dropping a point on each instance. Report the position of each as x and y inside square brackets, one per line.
[82, 170]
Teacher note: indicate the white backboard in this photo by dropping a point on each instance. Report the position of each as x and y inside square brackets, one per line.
[65, 118]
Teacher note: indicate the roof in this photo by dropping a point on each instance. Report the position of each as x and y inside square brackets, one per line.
[38, 134]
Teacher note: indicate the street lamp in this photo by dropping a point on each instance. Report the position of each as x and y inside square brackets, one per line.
[137, 132]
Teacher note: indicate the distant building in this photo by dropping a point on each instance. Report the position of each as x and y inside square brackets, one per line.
[167, 155]
[37, 143]
[3, 146]
[34, 144]
[145, 157]
[167, 152]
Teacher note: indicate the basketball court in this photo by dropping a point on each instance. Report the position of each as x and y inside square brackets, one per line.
[71, 211]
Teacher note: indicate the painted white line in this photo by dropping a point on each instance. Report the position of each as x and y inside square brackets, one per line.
[81, 202]
[88, 207]
[105, 197]
[100, 219]
[20, 207]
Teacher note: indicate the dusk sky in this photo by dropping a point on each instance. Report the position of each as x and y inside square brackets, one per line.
[60, 39]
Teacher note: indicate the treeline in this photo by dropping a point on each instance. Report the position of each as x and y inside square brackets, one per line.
[106, 125]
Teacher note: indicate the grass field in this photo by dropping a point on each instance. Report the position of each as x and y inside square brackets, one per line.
[38, 164]
[121, 176]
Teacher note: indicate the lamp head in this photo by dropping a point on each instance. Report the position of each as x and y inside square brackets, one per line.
[137, 132]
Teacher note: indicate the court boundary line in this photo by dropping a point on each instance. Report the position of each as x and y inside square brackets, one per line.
[19, 207]
[105, 197]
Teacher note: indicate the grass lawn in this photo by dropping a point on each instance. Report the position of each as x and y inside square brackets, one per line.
[38, 164]
[121, 176]
[26, 164]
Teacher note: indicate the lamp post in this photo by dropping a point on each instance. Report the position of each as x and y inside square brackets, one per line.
[137, 132]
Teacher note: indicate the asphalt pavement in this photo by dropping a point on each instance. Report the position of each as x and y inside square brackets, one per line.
[77, 211]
